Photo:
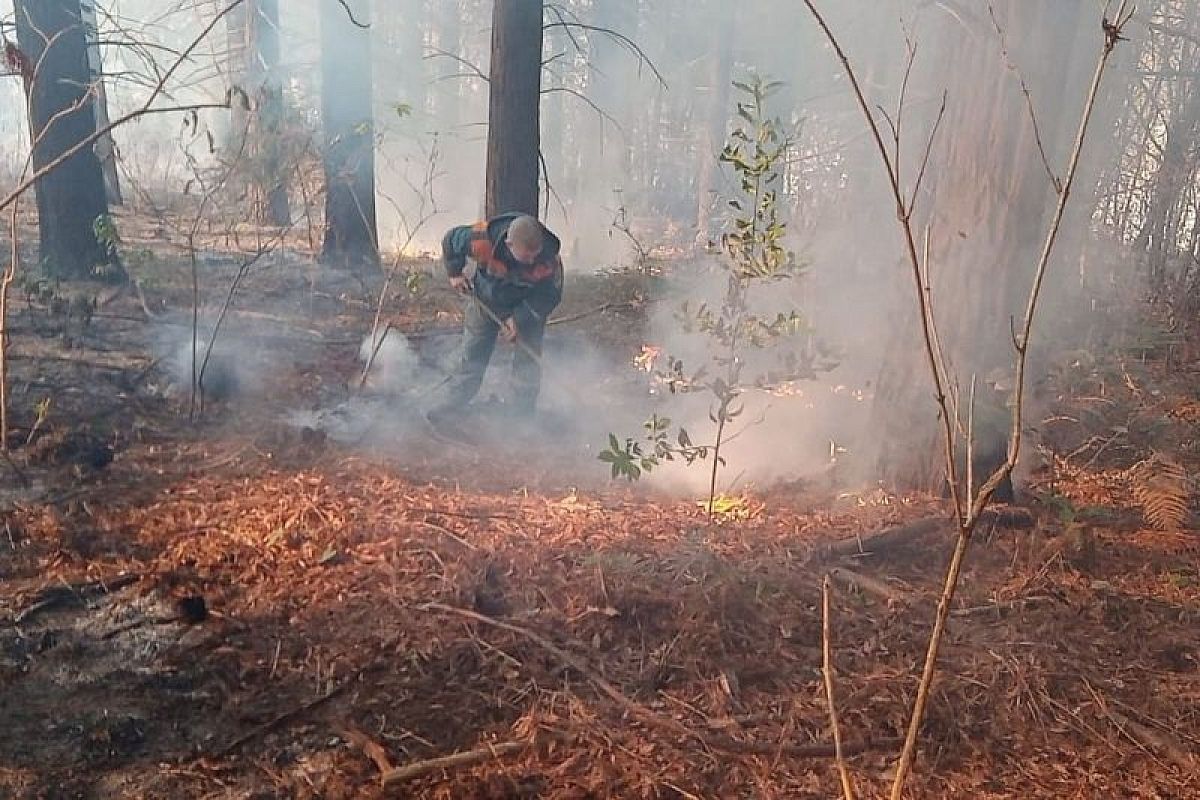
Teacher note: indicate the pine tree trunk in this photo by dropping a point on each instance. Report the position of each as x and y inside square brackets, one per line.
[351, 238]
[988, 203]
[105, 149]
[70, 198]
[513, 107]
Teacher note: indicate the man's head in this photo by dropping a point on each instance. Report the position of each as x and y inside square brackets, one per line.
[524, 239]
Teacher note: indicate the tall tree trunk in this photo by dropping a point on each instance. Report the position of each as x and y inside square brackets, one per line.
[988, 202]
[106, 151]
[513, 107]
[257, 132]
[351, 237]
[70, 198]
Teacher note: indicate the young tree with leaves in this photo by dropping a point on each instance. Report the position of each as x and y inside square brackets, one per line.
[755, 256]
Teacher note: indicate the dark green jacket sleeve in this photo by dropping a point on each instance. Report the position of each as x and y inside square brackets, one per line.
[456, 246]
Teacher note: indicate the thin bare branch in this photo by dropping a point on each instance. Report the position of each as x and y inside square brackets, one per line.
[1037, 131]
[827, 668]
[620, 38]
[349, 13]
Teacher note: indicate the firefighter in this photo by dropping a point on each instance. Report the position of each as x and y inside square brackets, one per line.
[516, 283]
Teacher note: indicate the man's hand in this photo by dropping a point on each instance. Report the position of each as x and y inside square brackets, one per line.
[508, 329]
[460, 283]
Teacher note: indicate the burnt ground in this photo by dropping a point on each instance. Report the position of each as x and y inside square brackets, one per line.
[373, 598]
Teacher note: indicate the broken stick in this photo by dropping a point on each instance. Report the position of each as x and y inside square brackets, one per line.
[465, 758]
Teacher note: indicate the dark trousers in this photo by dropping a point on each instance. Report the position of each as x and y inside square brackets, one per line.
[479, 341]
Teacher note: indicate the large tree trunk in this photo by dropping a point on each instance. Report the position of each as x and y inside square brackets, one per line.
[513, 112]
[988, 203]
[351, 239]
[70, 198]
[257, 132]
[106, 151]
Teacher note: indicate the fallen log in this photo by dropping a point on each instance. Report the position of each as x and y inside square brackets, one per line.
[900, 535]
[883, 539]
[865, 583]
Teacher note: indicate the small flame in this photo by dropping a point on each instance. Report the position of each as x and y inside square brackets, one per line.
[644, 360]
[787, 389]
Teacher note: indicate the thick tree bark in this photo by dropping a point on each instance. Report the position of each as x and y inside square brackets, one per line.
[106, 151]
[257, 132]
[351, 238]
[70, 198]
[513, 107]
[988, 201]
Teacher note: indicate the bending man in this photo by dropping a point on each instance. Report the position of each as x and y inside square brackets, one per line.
[516, 283]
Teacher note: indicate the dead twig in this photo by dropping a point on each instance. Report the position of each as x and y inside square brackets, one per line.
[466, 758]
[433, 526]
[999, 608]
[827, 668]
[286, 716]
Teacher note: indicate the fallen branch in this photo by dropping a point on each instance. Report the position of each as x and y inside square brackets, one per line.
[73, 593]
[653, 720]
[291, 714]
[286, 716]
[897, 535]
[901, 535]
[866, 584]
[465, 758]
[999, 608]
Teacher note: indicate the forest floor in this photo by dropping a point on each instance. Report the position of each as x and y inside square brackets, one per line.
[374, 598]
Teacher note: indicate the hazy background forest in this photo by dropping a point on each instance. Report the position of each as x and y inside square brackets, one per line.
[217, 345]
[631, 126]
